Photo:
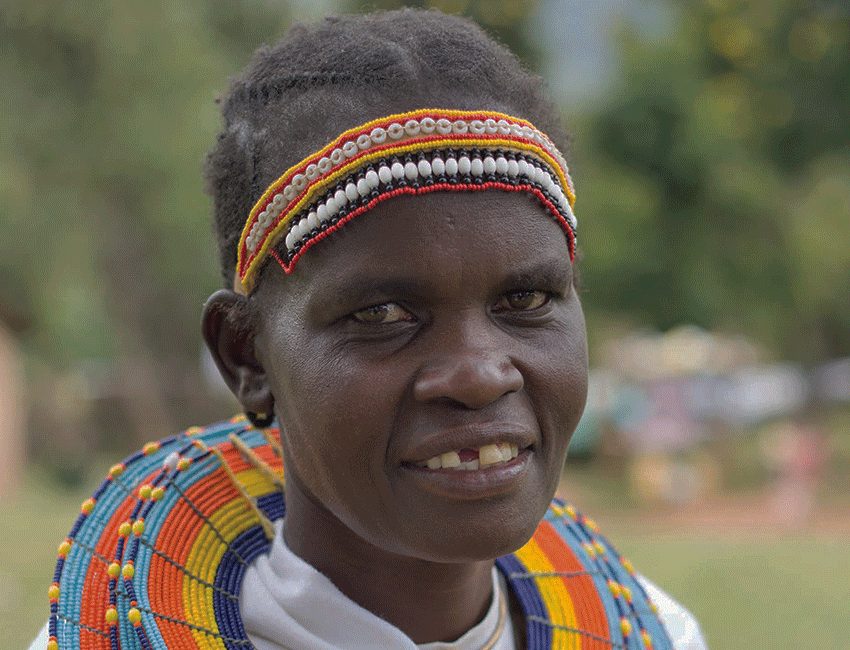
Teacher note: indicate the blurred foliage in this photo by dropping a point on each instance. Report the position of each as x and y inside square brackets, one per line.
[714, 185]
[715, 179]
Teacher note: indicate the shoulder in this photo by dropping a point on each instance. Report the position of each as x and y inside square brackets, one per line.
[182, 516]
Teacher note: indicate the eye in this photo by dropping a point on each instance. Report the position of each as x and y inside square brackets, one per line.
[383, 314]
[526, 300]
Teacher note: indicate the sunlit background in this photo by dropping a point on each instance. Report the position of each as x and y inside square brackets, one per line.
[710, 153]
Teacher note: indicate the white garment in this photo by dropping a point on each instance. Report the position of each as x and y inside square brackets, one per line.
[286, 604]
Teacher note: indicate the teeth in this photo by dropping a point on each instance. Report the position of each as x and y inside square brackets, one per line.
[490, 455]
[450, 459]
[493, 454]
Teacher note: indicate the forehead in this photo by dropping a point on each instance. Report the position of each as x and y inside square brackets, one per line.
[436, 240]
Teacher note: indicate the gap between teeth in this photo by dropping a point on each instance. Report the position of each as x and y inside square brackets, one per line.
[487, 455]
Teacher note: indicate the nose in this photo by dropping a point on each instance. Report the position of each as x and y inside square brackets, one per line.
[473, 377]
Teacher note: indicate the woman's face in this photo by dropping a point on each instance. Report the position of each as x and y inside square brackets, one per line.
[433, 327]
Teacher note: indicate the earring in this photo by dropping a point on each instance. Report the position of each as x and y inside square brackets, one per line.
[260, 420]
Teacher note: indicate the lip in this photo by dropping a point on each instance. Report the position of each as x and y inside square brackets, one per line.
[471, 436]
[489, 481]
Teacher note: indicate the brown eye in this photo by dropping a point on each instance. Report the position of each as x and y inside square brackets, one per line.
[523, 300]
[388, 312]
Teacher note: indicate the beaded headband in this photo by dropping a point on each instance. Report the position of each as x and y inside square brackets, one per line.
[409, 153]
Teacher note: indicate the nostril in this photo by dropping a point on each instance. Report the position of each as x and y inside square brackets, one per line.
[471, 380]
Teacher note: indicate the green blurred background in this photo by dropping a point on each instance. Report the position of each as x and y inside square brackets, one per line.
[710, 152]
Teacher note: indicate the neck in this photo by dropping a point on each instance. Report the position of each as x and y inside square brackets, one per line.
[428, 601]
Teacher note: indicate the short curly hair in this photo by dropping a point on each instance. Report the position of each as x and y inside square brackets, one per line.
[322, 79]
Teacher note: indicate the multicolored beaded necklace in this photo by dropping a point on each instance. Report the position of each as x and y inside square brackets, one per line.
[157, 556]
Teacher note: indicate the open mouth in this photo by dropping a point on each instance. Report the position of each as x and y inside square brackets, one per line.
[469, 459]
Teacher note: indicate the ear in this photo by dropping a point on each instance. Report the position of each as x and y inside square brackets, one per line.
[228, 329]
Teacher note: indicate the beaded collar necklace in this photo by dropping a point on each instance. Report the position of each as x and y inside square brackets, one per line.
[411, 153]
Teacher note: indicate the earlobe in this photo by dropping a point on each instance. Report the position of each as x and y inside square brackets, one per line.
[228, 330]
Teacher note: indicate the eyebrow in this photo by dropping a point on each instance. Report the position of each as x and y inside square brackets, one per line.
[544, 273]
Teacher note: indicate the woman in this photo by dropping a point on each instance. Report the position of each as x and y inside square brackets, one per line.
[421, 373]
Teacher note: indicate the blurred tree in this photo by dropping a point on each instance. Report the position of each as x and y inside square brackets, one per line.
[104, 226]
[718, 176]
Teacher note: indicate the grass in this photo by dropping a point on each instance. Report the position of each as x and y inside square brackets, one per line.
[760, 591]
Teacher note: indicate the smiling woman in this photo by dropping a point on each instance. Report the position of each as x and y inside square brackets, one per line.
[401, 326]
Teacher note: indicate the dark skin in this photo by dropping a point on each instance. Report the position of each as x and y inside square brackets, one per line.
[430, 324]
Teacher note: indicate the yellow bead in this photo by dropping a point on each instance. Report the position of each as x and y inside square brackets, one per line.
[647, 640]
[653, 607]
[53, 592]
[157, 493]
[625, 626]
[128, 571]
[591, 524]
[145, 492]
[193, 431]
[599, 547]
[183, 464]
[111, 616]
[116, 470]
[150, 448]
[87, 506]
[571, 512]
[52, 645]
[114, 570]
[134, 616]
[627, 593]
[614, 587]
[589, 549]
[124, 529]
[627, 565]
[138, 527]
[64, 548]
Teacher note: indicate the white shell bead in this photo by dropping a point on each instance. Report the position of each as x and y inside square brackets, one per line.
[411, 127]
[350, 149]
[324, 164]
[513, 168]
[395, 130]
[290, 240]
[331, 205]
[278, 201]
[424, 168]
[321, 214]
[363, 187]
[312, 171]
[384, 174]
[460, 126]
[427, 125]
[363, 141]
[337, 156]
[504, 127]
[516, 129]
[489, 165]
[490, 125]
[299, 181]
[464, 165]
[476, 167]
[340, 199]
[522, 167]
[501, 165]
[289, 192]
[397, 170]
[313, 218]
[378, 135]
[351, 192]
[451, 166]
[444, 126]
[476, 127]
[410, 171]
[372, 179]
[438, 166]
